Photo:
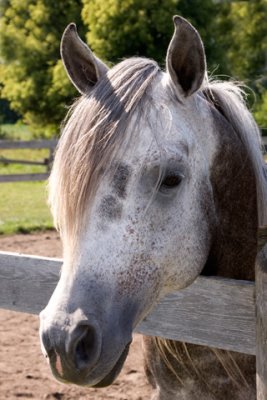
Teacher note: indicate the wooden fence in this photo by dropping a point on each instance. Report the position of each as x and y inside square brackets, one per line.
[29, 144]
[47, 162]
[264, 141]
[215, 312]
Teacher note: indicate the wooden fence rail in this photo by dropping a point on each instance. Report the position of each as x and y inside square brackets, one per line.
[196, 314]
[47, 162]
[215, 312]
[27, 144]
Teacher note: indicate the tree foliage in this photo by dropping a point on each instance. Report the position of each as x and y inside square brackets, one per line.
[6, 114]
[119, 29]
[245, 42]
[31, 74]
[234, 34]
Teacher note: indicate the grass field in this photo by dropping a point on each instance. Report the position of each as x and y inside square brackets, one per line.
[15, 132]
[23, 205]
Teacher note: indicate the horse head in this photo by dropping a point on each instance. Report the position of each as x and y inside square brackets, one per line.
[132, 192]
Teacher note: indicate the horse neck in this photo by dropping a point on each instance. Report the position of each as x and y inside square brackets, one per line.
[235, 239]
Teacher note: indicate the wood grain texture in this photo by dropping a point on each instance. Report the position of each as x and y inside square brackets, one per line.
[27, 282]
[262, 237]
[23, 177]
[261, 324]
[23, 162]
[215, 312]
[28, 144]
[212, 311]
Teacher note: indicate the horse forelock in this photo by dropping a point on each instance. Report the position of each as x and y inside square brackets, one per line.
[95, 129]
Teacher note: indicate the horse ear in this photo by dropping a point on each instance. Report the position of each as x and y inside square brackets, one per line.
[186, 61]
[83, 67]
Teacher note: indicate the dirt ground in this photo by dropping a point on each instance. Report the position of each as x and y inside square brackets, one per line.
[24, 373]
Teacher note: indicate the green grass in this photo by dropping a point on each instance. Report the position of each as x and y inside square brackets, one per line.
[16, 131]
[22, 154]
[23, 205]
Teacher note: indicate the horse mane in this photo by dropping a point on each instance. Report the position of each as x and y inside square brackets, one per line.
[174, 353]
[92, 132]
[95, 128]
[229, 99]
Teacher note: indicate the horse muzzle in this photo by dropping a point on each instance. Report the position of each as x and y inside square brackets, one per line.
[80, 352]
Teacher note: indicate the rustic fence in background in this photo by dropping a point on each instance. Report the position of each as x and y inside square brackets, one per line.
[47, 162]
[215, 312]
[264, 141]
[29, 144]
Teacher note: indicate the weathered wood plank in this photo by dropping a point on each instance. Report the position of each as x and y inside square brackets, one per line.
[27, 282]
[264, 143]
[214, 312]
[13, 161]
[262, 237]
[28, 144]
[23, 177]
[261, 324]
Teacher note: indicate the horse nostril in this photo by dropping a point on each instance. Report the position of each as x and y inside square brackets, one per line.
[46, 347]
[85, 346]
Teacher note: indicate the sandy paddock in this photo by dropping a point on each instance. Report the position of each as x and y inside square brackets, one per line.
[24, 373]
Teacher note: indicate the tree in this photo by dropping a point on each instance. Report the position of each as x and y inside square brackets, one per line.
[6, 114]
[31, 73]
[118, 29]
[245, 38]
[245, 46]
[260, 111]
[32, 77]
[234, 34]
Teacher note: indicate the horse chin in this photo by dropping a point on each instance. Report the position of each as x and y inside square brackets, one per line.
[81, 379]
[112, 375]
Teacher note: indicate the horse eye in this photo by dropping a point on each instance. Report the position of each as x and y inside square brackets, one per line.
[171, 181]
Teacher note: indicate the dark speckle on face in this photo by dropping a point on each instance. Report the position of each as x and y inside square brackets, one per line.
[110, 207]
[120, 179]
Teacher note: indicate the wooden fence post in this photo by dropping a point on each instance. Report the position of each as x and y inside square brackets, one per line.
[261, 319]
[28, 144]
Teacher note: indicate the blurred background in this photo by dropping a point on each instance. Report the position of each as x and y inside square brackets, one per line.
[34, 97]
[35, 91]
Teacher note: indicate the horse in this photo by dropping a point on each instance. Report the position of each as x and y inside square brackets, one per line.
[158, 178]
